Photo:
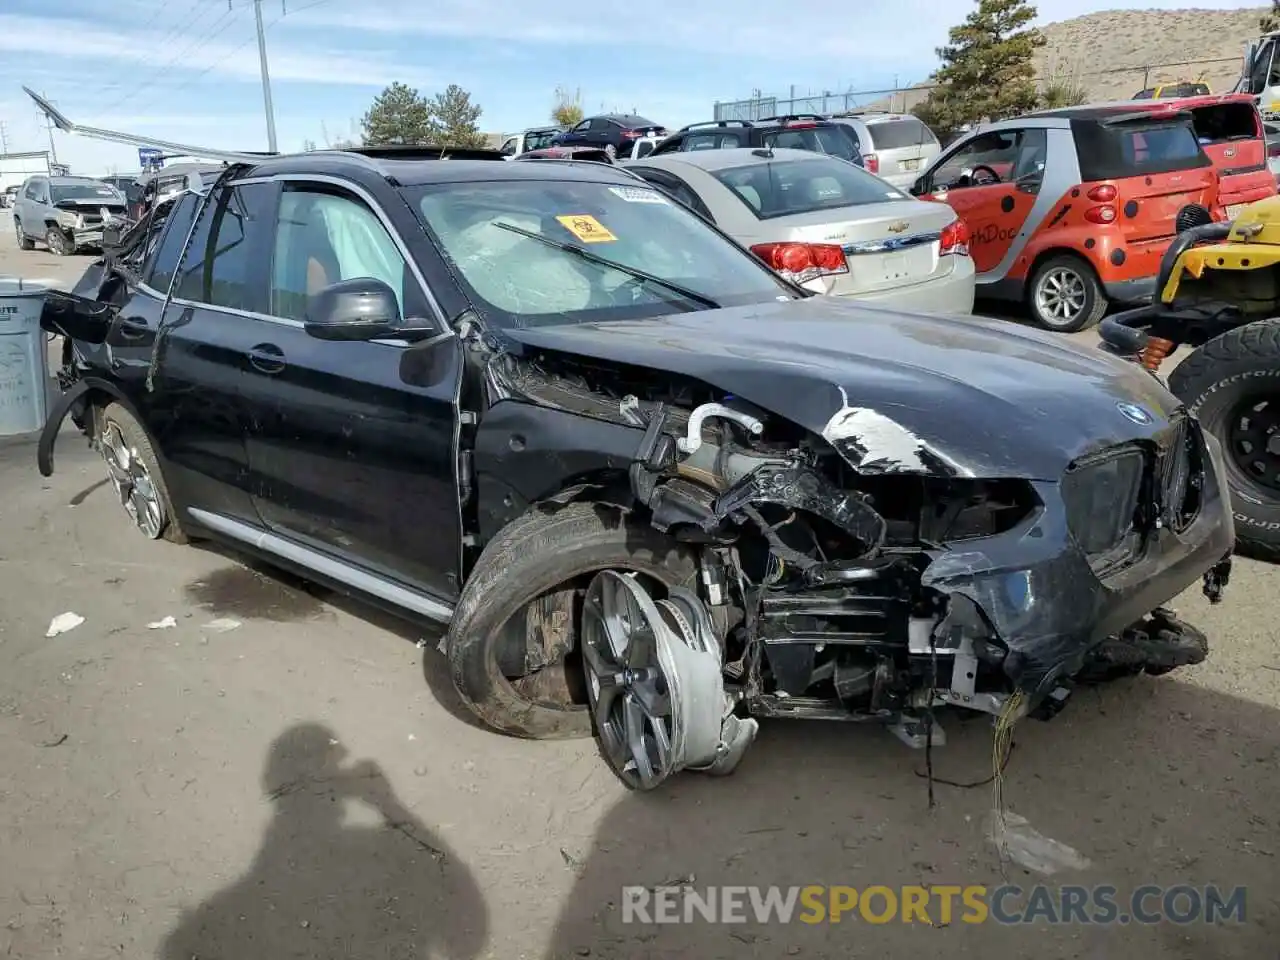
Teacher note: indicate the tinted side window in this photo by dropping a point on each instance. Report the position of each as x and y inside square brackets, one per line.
[600, 123]
[323, 237]
[176, 227]
[231, 222]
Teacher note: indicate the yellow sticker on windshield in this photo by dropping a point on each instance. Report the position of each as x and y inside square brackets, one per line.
[587, 228]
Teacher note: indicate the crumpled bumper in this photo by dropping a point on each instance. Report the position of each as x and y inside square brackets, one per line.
[1037, 591]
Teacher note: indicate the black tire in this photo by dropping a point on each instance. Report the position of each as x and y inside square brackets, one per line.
[1215, 381]
[533, 555]
[1094, 298]
[24, 242]
[139, 442]
[58, 242]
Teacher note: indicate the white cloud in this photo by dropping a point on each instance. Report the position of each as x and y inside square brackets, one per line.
[232, 56]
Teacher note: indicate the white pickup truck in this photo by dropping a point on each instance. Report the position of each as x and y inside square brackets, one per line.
[534, 138]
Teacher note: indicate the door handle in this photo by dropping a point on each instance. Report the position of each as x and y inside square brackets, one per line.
[131, 328]
[266, 358]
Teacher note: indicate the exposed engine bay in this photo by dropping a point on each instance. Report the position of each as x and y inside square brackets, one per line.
[856, 575]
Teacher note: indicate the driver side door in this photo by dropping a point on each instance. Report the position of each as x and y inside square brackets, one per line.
[991, 180]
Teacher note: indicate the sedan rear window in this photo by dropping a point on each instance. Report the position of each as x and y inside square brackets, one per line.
[779, 188]
[900, 132]
[535, 252]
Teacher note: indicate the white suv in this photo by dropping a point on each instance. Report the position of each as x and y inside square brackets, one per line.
[895, 146]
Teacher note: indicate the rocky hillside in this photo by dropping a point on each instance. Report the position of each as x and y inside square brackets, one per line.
[1114, 54]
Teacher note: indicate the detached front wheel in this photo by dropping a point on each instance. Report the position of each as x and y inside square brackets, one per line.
[513, 642]
[1232, 384]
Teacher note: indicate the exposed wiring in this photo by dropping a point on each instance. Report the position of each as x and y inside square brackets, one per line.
[1001, 744]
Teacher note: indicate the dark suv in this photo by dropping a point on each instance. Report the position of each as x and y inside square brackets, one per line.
[798, 132]
[654, 489]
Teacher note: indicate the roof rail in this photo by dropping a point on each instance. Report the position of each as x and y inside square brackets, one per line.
[715, 123]
[784, 118]
[395, 151]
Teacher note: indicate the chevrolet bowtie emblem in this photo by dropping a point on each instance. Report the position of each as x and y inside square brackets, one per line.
[898, 227]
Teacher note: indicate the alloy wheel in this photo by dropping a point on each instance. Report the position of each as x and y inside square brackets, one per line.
[132, 482]
[1061, 296]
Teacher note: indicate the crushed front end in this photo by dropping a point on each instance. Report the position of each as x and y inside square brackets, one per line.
[862, 574]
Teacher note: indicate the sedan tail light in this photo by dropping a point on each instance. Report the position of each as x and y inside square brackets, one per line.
[871, 162]
[954, 239]
[799, 262]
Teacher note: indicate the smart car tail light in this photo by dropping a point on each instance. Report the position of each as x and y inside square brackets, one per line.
[1103, 193]
[1101, 214]
[799, 262]
[954, 239]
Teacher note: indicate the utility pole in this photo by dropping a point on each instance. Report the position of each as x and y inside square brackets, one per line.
[4, 138]
[53, 150]
[266, 78]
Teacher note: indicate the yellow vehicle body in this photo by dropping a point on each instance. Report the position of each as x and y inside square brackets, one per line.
[1239, 269]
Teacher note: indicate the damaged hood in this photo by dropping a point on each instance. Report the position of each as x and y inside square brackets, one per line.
[897, 392]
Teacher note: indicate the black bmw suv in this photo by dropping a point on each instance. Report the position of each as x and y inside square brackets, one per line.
[653, 489]
[796, 132]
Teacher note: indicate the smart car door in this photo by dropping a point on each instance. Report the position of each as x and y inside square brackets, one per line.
[991, 180]
[354, 455]
[197, 373]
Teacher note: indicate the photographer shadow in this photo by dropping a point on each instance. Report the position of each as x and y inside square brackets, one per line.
[323, 887]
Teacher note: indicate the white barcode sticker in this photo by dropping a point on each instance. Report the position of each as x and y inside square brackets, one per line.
[638, 195]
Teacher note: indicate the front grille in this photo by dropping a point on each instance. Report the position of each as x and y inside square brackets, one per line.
[1178, 474]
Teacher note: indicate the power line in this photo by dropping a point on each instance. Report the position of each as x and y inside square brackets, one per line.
[223, 22]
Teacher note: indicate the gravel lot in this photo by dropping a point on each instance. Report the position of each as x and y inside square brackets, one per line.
[206, 792]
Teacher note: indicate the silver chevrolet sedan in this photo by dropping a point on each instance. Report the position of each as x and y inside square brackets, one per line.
[826, 224]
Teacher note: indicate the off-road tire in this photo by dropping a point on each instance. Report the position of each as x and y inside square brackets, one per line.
[532, 555]
[1095, 305]
[24, 242]
[1216, 377]
[135, 435]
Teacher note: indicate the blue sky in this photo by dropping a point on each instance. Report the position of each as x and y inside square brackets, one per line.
[187, 70]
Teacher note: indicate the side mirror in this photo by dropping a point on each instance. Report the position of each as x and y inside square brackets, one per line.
[358, 309]
[919, 188]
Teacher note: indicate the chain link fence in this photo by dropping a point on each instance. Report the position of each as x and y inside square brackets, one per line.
[1118, 83]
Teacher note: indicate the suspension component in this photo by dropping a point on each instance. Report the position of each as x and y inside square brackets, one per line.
[1156, 350]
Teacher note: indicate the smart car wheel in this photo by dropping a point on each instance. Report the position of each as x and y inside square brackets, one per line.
[135, 474]
[1065, 295]
[58, 243]
[513, 642]
[23, 242]
[1232, 384]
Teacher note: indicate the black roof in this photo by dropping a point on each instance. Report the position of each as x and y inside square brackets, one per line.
[416, 172]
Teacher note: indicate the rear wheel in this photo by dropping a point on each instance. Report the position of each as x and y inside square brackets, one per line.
[512, 643]
[24, 243]
[1065, 295]
[1232, 384]
[134, 472]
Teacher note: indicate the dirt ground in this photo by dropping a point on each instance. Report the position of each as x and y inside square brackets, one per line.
[285, 774]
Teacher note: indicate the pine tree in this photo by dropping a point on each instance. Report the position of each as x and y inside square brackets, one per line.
[453, 119]
[987, 72]
[1270, 21]
[398, 116]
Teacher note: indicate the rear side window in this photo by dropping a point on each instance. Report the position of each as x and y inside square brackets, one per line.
[712, 141]
[177, 226]
[1225, 122]
[899, 133]
[781, 188]
[219, 269]
[1136, 149]
[832, 139]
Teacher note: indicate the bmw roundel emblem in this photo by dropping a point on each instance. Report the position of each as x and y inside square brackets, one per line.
[1132, 411]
